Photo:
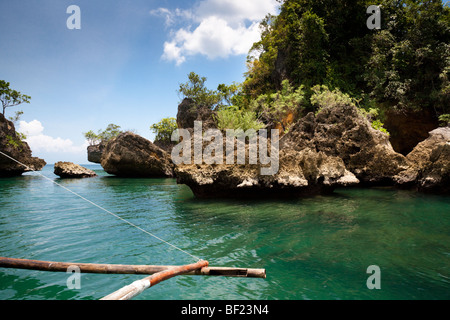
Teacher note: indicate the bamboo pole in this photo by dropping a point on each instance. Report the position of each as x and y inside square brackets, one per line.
[125, 269]
[132, 290]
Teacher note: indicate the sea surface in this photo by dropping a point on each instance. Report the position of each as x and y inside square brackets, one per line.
[313, 248]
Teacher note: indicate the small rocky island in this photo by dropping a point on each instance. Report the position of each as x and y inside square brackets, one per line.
[71, 170]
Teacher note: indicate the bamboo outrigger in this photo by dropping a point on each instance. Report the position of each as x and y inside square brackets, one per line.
[158, 273]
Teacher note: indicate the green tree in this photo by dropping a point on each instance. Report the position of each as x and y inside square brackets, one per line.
[232, 117]
[196, 90]
[111, 131]
[409, 66]
[405, 65]
[164, 129]
[92, 137]
[10, 97]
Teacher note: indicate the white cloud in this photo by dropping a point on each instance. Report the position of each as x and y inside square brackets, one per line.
[214, 28]
[39, 142]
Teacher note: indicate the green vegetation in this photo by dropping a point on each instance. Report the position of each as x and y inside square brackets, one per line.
[444, 119]
[318, 54]
[274, 108]
[405, 65]
[16, 142]
[323, 97]
[234, 118]
[111, 131]
[164, 129]
[195, 89]
[16, 117]
[10, 97]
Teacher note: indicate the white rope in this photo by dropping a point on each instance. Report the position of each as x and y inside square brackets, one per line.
[101, 208]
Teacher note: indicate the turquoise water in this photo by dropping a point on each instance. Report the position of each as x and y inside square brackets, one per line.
[314, 248]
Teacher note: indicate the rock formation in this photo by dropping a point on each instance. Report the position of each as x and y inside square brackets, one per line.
[71, 170]
[305, 171]
[11, 144]
[301, 173]
[407, 127]
[130, 155]
[429, 164]
[345, 133]
[95, 152]
[188, 112]
[336, 147]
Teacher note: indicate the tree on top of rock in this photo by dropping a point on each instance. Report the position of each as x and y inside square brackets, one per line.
[10, 97]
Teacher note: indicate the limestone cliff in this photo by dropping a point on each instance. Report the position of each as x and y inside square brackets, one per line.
[11, 144]
[131, 155]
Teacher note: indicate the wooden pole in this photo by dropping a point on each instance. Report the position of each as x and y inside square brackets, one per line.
[125, 269]
[132, 290]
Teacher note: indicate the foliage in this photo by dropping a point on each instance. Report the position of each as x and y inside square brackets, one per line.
[195, 89]
[229, 101]
[111, 131]
[378, 125]
[232, 117]
[14, 142]
[323, 97]
[10, 97]
[16, 117]
[404, 65]
[410, 63]
[92, 137]
[273, 108]
[164, 129]
[444, 119]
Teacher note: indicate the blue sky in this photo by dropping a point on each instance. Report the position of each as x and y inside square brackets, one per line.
[123, 66]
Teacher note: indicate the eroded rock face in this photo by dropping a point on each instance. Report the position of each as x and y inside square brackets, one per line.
[345, 133]
[11, 145]
[408, 128]
[95, 152]
[429, 164]
[130, 155]
[299, 173]
[71, 170]
[189, 112]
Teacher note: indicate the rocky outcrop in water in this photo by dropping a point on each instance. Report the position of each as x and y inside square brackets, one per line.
[11, 144]
[345, 133]
[336, 147]
[130, 155]
[429, 164]
[71, 170]
[301, 173]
